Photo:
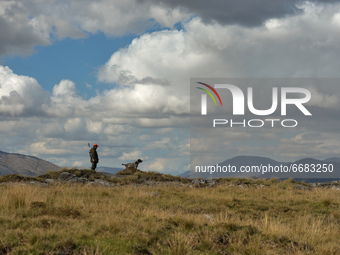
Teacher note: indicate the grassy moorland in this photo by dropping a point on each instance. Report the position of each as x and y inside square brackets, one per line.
[259, 217]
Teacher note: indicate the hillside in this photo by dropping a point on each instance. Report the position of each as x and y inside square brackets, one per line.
[13, 163]
[74, 211]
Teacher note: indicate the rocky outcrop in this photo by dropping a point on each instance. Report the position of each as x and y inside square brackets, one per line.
[330, 185]
[70, 178]
[140, 179]
[200, 183]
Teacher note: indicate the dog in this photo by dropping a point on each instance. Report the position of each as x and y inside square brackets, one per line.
[133, 165]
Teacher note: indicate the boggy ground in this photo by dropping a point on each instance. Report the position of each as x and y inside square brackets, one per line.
[235, 216]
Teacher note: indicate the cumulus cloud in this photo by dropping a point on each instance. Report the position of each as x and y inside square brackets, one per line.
[244, 12]
[133, 155]
[18, 34]
[134, 64]
[72, 121]
[157, 166]
[48, 146]
[309, 144]
[297, 46]
[65, 102]
[25, 24]
[323, 100]
[140, 115]
[170, 121]
[170, 164]
[65, 89]
[215, 50]
[20, 95]
[141, 100]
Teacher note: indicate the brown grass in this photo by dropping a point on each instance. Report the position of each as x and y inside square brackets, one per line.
[81, 219]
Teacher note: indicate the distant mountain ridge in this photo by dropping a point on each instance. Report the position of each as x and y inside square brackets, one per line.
[14, 163]
[263, 161]
[334, 159]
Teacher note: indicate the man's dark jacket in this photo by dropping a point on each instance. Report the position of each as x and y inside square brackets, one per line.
[94, 155]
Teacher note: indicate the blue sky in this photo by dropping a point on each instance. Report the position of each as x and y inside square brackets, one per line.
[77, 60]
[117, 73]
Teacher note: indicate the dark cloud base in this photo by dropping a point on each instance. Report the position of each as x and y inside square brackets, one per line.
[247, 13]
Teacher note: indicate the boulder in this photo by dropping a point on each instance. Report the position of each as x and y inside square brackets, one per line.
[77, 180]
[198, 183]
[98, 182]
[65, 176]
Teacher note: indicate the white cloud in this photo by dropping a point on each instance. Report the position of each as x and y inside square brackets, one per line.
[322, 100]
[297, 46]
[65, 102]
[114, 130]
[155, 56]
[164, 144]
[132, 155]
[65, 89]
[336, 19]
[77, 164]
[174, 165]
[166, 16]
[20, 95]
[94, 126]
[309, 144]
[151, 76]
[49, 146]
[157, 166]
[25, 24]
[74, 125]
[18, 35]
[144, 99]
[171, 121]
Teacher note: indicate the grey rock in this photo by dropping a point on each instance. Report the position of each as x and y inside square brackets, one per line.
[202, 183]
[103, 183]
[98, 182]
[150, 183]
[50, 181]
[301, 187]
[65, 176]
[197, 183]
[77, 180]
[41, 184]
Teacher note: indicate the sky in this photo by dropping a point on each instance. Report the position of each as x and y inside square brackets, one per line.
[117, 73]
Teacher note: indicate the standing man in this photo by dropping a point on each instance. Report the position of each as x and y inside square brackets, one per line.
[94, 156]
